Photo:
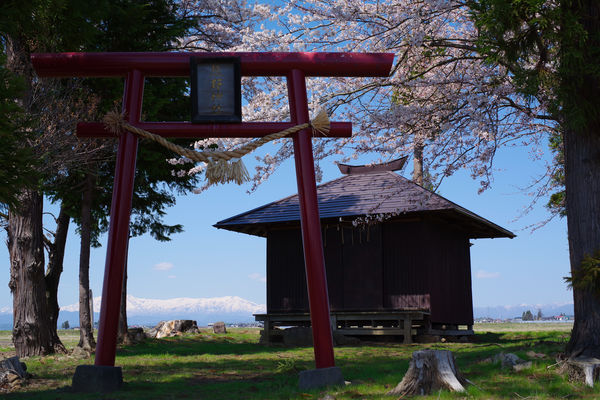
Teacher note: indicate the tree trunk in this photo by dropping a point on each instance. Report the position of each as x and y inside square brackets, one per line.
[32, 333]
[582, 184]
[18, 61]
[91, 309]
[430, 371]
[54, 270]
[417, 175]
[123, 336]
[86, 333]
[582, 179]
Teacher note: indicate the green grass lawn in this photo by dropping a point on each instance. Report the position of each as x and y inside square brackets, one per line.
[235, 366]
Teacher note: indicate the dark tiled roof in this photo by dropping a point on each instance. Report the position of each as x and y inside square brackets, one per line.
[363, 194]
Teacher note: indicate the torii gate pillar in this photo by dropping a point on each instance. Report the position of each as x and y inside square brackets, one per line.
[134, 67]
[316, 277]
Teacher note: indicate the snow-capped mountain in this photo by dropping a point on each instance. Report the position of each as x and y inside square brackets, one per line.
[183, 305]
[149, 312]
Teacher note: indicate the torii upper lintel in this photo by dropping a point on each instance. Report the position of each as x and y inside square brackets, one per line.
[178, 64]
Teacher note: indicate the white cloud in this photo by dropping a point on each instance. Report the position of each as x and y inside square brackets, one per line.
[257, 277]
[171, 277]
[163, 266]
[482, 274]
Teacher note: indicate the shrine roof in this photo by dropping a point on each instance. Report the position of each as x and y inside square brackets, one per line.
[365, 193]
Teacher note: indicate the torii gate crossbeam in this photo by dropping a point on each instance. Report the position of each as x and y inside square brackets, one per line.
[134, 67]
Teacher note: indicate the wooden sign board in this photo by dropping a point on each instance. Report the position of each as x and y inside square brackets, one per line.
[216, 90]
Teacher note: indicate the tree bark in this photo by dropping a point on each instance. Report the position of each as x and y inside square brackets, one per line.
[54, 269]
[91, 309]
[582, 181]
[582, 184]
[123, 336]
[32, 333]
[430, 371]
[86, 333]
[18, 61]
[417, 175]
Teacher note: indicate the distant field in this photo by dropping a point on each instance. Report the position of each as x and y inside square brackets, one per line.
[525, 326]
[69, 337]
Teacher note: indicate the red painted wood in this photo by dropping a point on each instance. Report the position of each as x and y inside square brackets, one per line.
[134, 66]
[178, 64]
[120, 211]
[188, 130]
[316, 278]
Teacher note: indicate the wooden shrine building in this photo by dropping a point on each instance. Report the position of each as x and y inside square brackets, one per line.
[396, 255]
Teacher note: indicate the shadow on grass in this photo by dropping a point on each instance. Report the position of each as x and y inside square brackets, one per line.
[196, 345]
[224, 379]
[194, 368]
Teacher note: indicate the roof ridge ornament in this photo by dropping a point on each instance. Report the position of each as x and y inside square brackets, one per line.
[394, 165]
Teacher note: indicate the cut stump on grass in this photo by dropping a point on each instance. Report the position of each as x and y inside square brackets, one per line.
[429, 371]
[12, 374]
[582, 369]
[13, 365]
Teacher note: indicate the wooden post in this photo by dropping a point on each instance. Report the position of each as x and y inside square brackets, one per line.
[120, 213]
[316, 278]
[407, 325]
[267, 330]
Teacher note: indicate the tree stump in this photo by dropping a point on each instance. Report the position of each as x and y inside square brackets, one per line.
[582, 369]
[429, 371]
[12, 372]
[15, 366]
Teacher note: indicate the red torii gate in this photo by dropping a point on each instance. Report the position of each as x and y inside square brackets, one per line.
[134, 67]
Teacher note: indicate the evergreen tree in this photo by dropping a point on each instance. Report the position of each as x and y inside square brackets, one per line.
[26, 27]
[16, 161]
[527, 316]
[553, 50]
[42, 26]
[128, 26]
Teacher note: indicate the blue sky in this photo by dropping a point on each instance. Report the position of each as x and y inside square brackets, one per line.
[208, 262]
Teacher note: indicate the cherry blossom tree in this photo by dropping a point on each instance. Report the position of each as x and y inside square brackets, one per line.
[469, 77]
[465, 82]
[443, 101]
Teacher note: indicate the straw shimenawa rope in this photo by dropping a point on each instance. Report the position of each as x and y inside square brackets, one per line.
[218, 170]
